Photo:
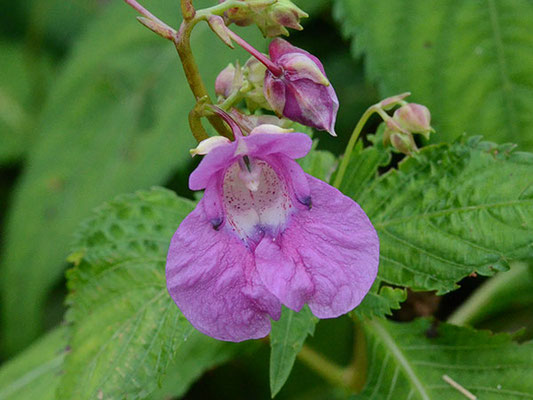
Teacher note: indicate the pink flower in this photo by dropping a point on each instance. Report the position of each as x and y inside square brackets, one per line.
[301, 92]
[266, 234]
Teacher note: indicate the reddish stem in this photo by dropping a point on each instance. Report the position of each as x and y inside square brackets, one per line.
[267, 62]
[237, 132]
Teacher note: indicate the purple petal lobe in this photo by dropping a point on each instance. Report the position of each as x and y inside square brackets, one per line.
[279, 47]
[211, 277]
[215, 161]
[293, 145]
[327, 256]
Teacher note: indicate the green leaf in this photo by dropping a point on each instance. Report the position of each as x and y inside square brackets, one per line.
[197, 355]
[411, 360]
[286, 340]
[452, 210]
[468, 61]
[116, 121]
[318, 163]
[363, 167]
[35, 373]
[125, 327]
[380, 301]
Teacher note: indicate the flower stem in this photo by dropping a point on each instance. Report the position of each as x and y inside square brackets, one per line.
[331, 372]
[271, 66]
[237, 132]
[357, 371]
[192, 73]
[474, 308]
[181, 40]
[351, 144]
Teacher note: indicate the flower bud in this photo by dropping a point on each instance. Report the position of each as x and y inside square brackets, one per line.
[403, 142]
[279, 16]
[302, 92]
[229, 80]
[414, 118]
[272, 17]
[254, 74]
[401, 139]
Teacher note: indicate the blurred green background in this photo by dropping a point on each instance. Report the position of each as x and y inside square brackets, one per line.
[93, 105]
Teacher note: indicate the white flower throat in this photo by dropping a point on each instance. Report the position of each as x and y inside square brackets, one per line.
[256, 199]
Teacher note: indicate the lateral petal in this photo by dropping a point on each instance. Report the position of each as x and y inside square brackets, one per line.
[211, 277]
[327, 257]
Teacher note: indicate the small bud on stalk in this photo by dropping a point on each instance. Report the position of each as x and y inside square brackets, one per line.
[414, 118]
[410, 118]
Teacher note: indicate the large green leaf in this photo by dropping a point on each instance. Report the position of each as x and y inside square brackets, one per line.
[196, 355]
[470, 62]
[35, 373]
[115, 121]
[286, 340]
[411, 360]
[452, 210]
[125, 327]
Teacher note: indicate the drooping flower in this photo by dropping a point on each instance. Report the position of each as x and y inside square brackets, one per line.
[266, 234]
[301, 92]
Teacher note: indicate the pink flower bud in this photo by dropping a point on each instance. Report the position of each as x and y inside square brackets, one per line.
[414, 118]
[403, 142]
[302, 92]
[228, 80]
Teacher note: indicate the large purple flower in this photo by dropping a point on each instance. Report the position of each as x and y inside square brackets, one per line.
[266, 234]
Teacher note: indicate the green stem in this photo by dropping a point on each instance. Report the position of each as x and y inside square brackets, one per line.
[473, 308]
[351, 144]
[192, 73]
[356, 373]
[195, 122]
[330, 371]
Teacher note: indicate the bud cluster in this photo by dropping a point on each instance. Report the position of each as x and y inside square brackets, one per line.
[408, 119]
[289, 81]
[273, 17]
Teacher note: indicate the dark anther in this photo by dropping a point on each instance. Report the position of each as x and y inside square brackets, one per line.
[306, 201]
[216, 222]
